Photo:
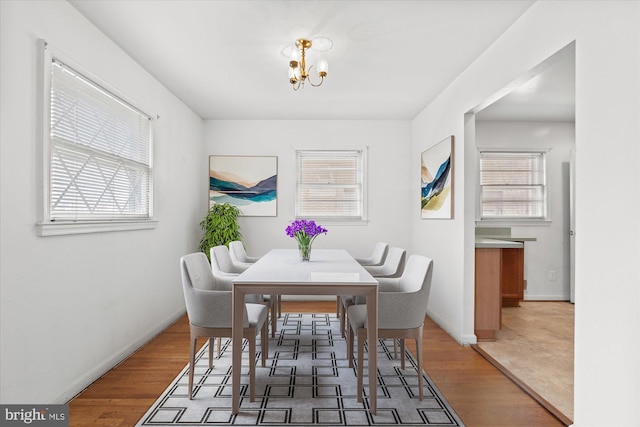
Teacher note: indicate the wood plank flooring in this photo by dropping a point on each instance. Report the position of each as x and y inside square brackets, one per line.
[535, 348]
[477, 391]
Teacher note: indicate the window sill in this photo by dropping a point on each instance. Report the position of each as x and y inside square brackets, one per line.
[63, 228]
[336, 221]
[513, 223]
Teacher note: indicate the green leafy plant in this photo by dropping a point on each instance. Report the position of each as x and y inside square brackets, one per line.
[220, 226]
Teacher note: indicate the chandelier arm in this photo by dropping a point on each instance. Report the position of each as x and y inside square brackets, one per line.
[319, 84]
[309, 78]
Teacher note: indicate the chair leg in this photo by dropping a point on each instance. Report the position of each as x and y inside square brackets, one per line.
[279, 306]
[402, 353]
[395, 348]
[274, 315]
[252, 366]
[419, 356]
[192, 363]
[338, 306]
[362, 336]
[344, 318]
[211, 345]
[342, 314]
[219, 346]
[350, 335]
[264, 343]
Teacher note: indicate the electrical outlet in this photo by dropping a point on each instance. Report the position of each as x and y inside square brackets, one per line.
[552, 275]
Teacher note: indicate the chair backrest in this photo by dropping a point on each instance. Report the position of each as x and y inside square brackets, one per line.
[222, 268]
[224, 271]
[206, 307]
[417, 276]
[221, 260]
[238, 253]
[393, 264]
[377, 257]
[196, 271]
[407, 307]
[379, 254]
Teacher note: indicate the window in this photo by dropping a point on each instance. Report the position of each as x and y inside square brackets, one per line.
[330, 185]
[98, 152]
[512, 185]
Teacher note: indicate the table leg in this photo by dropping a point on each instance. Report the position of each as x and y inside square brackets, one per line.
[236, 349]
[372, 339]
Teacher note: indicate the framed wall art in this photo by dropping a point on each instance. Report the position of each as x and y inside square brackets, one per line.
[436, 183]
[248, 182]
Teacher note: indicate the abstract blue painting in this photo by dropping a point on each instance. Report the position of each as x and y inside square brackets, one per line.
[436, 176]
[248, 182]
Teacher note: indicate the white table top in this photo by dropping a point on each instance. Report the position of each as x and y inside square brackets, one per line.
[329, 272]
[328, 266]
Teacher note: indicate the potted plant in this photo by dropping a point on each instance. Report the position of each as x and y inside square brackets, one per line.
[220, 226]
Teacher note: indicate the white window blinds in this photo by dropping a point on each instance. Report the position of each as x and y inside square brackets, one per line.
[100, 152]
[330, 184]
[512, 185]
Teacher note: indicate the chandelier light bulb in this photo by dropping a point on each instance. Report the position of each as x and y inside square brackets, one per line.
[323, 67]
[292, 76]
[295, 55]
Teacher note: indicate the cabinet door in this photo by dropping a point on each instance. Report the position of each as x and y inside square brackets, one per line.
[512, 276]
[488, 313]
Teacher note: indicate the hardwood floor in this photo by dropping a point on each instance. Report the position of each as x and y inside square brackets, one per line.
[477, 391]
[535, 348]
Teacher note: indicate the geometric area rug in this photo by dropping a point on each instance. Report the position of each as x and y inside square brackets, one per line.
[306, 382]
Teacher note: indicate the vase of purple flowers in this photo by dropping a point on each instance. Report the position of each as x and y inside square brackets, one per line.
[305, 232]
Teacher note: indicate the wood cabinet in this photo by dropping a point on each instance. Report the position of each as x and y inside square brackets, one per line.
[499, 281]
[488, 294]
[512, 276]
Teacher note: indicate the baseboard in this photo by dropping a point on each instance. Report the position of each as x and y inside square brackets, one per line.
[90, 377]
[308, 297]
[469, 339]
[461, 339]
[546, 297]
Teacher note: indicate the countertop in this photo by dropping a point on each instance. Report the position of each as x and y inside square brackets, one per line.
[491, 243]
[499, 238]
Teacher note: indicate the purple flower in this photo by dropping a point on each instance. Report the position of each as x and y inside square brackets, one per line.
[305, 231]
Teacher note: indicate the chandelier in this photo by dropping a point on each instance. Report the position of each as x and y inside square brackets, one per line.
[298, 71]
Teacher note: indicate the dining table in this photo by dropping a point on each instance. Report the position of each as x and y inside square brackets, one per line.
[328, 272]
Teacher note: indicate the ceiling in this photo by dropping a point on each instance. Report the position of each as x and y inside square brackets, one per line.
[545, 94]
[224, 58]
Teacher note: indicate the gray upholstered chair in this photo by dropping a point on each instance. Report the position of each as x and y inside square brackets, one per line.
[377, 257]
[243, 261]
[224, 271]
[393, 266]
[402, 307]
[209, 311]
[239, 255]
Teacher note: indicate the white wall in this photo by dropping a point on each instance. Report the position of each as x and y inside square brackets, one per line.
[388, 144]
[73, 306]
[607, 340]
[550, 252]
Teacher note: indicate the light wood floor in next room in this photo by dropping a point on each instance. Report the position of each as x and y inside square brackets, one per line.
[535, 349]
[479, 393]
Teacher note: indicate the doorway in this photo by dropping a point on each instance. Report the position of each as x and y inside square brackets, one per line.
[538, 112]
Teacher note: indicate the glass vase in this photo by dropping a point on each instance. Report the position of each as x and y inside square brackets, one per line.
[305, 252]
